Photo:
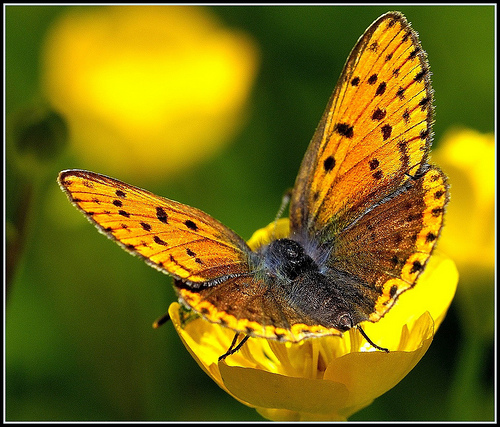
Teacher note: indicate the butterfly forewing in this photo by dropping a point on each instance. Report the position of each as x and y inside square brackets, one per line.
[374, 133]
[175, 238]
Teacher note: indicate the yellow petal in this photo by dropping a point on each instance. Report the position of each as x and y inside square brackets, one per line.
[268, 390]
[367, 375]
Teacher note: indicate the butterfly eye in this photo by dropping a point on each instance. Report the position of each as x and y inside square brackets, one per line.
[291, 253]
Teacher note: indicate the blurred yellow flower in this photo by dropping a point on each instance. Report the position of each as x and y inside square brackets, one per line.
[327, 378]
[468, 158]
[147, 90]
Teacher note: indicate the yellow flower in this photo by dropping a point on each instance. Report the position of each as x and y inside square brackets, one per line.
[327, 378]
[468, 158]
[147, 91]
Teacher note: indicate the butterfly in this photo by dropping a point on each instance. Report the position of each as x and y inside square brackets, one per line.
[366, 211]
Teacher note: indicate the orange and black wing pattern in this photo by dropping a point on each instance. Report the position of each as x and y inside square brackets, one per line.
[365, 187]
[170, 236]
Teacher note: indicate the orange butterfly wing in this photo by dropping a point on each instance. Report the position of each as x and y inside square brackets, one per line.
[375, 131]
[364, 186]
[172, 237]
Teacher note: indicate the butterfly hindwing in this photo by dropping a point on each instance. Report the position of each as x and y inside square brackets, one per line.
[247, 304]
[388, 247]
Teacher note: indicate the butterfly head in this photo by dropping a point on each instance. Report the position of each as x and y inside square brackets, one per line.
[287, 259]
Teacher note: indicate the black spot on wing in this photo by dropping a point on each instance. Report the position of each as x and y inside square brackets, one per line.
[161, 215]
[344, 129]
[374, 164]
[386, 132]
[160, 241]
[381, 89]
[329, 163]
[378, 114]
[146, 226]
[191, 225]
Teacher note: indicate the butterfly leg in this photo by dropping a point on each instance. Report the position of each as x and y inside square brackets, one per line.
[161, 320]
[370, 341]
[233, 348]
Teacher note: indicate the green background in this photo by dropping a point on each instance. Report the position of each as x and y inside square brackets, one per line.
[78, 314]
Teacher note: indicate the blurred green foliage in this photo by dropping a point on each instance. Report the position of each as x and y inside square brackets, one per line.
[79, 345]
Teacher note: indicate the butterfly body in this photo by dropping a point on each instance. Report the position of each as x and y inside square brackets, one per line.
[293, 275]
[365, 214]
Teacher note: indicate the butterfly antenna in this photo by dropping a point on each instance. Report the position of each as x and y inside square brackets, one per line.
[370, 341]
[284, 203]
[233, 348]
[161, 320]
